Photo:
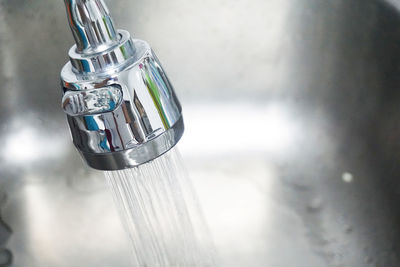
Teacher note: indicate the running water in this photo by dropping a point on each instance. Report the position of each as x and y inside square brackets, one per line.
[160, 212]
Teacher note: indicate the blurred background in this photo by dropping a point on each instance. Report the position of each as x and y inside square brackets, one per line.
[292, 140]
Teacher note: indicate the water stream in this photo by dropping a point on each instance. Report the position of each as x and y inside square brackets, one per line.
[161, 214]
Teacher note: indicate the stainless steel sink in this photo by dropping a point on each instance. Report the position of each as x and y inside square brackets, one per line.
[301, 166]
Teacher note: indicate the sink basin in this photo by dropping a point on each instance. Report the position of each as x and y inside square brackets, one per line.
[292, 139]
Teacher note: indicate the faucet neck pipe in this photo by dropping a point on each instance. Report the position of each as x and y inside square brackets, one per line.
[99, 47]
[91, 25]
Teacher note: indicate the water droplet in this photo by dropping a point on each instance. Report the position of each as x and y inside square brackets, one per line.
[349, 229]
[315, 205]
[347, 177]
[368, 260]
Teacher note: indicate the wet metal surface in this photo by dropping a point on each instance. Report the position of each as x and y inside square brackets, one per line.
[314, 183]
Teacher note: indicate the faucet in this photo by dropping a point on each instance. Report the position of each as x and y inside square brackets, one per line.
[121, 107]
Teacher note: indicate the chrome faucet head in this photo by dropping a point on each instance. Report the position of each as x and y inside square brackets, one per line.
[121, 108]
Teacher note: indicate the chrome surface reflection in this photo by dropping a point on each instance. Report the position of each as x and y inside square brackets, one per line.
[91, 25]
[122, 111]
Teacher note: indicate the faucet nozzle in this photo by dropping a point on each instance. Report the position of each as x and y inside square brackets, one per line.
[121, 107]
